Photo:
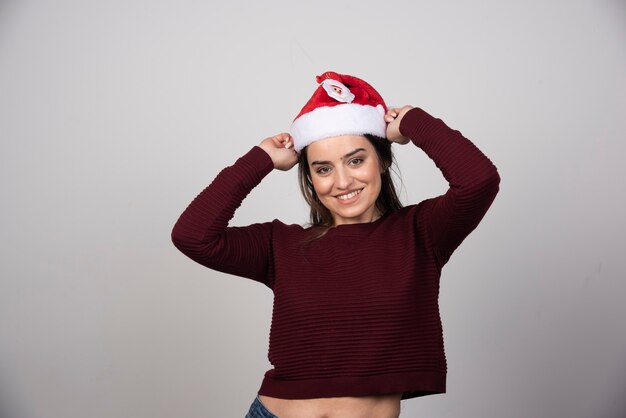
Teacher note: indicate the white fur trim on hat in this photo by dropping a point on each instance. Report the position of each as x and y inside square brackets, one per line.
[345, 119]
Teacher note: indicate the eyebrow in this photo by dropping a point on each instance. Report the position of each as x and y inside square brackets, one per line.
[348, 155]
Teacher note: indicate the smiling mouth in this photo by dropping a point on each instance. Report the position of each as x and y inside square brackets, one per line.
[349, 195]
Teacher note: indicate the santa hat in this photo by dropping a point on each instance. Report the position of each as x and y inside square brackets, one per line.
[341, 105]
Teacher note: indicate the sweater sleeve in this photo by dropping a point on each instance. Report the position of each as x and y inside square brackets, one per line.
[202, 232]
[473, 182]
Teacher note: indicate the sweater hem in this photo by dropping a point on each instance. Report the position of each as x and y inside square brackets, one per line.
[410, 384]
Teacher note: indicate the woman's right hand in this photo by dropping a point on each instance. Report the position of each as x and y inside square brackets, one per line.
[280, 149]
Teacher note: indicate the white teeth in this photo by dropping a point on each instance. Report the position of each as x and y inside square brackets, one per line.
[349, 195]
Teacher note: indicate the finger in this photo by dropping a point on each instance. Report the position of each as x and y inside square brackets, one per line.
[390, 117]
[399, 110]
[278, 140]
[391, 114]
[286, 140]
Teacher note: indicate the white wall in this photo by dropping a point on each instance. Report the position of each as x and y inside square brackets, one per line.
[114, 114]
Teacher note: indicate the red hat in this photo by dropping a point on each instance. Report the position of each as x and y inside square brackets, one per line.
[341, 105]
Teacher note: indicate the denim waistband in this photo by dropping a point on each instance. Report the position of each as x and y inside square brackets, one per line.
[258, 410]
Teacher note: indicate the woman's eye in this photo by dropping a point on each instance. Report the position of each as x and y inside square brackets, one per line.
[356, 161]
[322, 170]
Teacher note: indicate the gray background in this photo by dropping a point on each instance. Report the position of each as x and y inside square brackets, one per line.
[115, 114]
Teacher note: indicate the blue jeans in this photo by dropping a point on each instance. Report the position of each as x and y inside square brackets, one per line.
[258, 410]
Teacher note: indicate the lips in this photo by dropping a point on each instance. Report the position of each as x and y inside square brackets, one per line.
[348, 196]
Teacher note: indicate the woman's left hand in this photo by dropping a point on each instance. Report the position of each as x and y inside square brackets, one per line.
[393, 117]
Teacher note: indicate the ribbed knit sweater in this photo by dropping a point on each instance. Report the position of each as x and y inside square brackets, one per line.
[356, 311]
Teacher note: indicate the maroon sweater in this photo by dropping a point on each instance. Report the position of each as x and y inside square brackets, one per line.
[355, 312]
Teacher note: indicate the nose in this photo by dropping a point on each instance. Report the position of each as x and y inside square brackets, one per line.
[343, 179]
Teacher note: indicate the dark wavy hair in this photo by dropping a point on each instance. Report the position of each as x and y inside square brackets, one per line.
[387, 202]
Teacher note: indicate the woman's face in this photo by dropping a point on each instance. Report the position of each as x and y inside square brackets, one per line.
[345, 172]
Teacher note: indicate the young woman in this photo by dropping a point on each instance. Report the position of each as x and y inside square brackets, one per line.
[355, 325]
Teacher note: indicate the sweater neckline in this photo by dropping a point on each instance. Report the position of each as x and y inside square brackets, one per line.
[355, 227]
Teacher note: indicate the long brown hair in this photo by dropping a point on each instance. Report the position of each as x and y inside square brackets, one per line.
[387, 202]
